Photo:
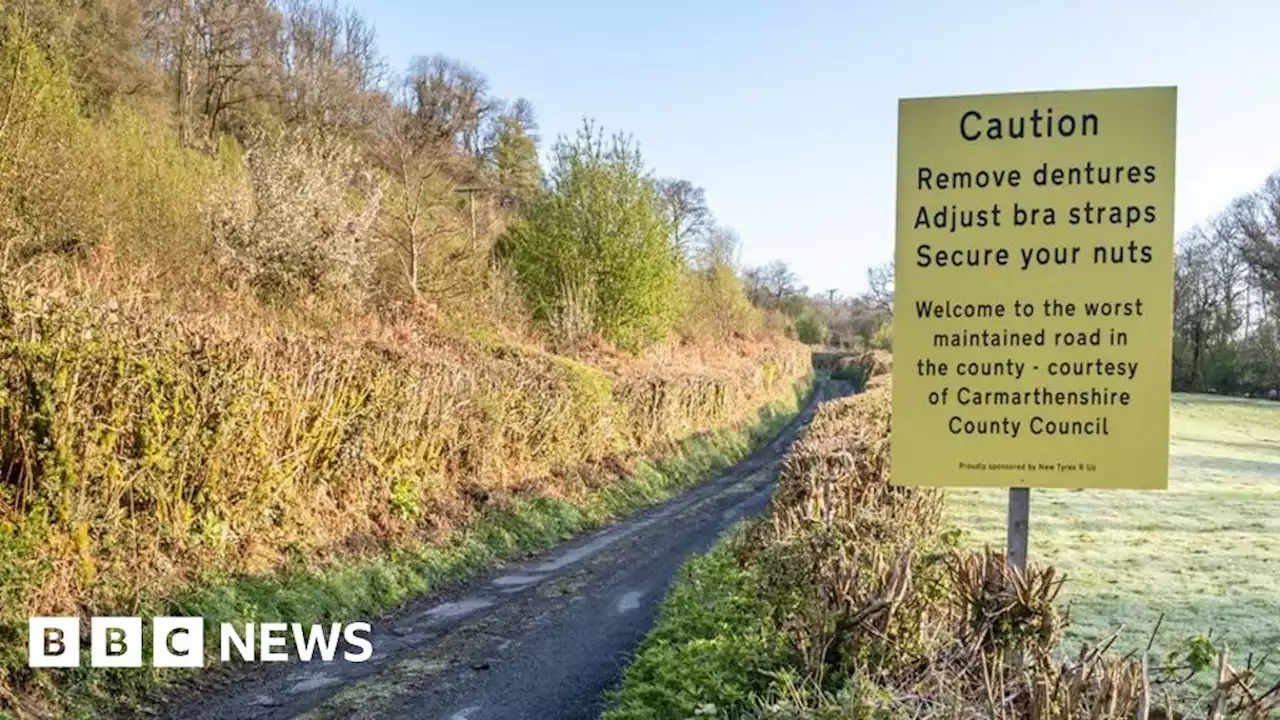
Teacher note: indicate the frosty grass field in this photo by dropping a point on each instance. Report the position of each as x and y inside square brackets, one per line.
[1205, 553]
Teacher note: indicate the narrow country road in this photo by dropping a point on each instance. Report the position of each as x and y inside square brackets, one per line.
[541, 639]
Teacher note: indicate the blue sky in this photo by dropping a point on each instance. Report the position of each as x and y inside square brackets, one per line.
[786, 111]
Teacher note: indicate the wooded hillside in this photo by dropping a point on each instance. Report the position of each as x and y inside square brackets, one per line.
[271, 308]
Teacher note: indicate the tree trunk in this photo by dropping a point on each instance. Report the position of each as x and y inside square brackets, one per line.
[183, 79]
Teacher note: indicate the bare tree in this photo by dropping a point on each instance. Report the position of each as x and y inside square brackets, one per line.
[720, 248]
[418, 207]
[330, 70]
[687, 211]
[770, 286]
[780, 281]
[1255, 222]
[450, 101]
[519, 113]
[864, 317]
[880, 287]
[233, 42]
[1193, 304]
[753, 283]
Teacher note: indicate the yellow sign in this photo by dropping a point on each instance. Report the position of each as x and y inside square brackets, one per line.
[1033, 295]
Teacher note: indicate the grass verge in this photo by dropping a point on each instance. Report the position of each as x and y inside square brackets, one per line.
[374, 587]
[712, 650]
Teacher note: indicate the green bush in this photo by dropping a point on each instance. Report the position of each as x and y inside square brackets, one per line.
[810, 328]
[717, 306]
[44, 155]
[593, 253]
[883, 339]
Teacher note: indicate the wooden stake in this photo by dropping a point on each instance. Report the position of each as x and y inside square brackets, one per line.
[1019, 517]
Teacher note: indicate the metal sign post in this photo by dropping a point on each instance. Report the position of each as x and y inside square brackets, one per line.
[1019, 517]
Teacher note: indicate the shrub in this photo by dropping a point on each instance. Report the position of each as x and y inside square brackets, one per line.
[120, 186]
[300, 222]
[46, 200]
[883, 339]
[811, 329]
[593, 252]
[156, 189]
[717, 307]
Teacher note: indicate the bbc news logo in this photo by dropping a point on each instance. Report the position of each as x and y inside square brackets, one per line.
[179, 642]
